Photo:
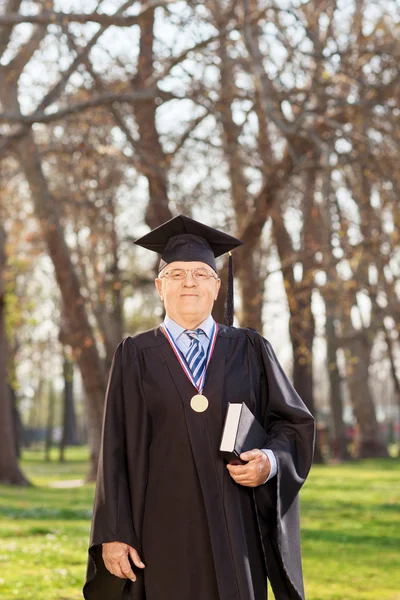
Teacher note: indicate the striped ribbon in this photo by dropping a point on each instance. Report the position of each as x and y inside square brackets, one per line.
[199, 382]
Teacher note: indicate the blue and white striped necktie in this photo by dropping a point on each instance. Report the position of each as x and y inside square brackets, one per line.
[195, 356]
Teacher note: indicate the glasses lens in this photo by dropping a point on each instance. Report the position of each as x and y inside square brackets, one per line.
[201, 274]
[176, 274]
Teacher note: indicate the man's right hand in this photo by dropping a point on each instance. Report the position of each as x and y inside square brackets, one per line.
[115, 557]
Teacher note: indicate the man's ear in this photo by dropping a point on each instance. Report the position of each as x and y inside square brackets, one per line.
[158, 283]
[218, 288]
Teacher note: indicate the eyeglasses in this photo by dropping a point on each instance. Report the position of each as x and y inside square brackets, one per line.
[180, 274]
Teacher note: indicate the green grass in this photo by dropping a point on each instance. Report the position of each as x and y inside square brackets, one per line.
[44, 531]
[350, 531]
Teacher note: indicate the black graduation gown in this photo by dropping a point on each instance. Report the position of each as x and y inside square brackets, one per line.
[163, 488]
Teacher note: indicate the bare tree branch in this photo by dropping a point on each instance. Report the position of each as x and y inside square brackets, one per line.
[101, 100]
[55, 92]
[186, 134]
[141, 161]
[17, 65]
[12, 6]
[173, 62]
[61, 18]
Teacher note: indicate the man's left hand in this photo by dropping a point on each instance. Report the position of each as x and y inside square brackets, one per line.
[255, 472]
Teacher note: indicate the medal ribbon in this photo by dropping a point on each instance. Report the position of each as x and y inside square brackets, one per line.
[182, 361]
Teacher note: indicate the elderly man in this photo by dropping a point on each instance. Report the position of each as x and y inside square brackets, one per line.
[172, 520]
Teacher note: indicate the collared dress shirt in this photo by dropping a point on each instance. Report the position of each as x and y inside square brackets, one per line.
[183, 343]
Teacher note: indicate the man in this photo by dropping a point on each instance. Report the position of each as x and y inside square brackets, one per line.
[173, 521]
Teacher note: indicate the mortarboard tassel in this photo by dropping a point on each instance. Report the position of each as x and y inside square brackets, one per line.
[229, 309]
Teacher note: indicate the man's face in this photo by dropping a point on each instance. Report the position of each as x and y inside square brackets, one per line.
[188, 298]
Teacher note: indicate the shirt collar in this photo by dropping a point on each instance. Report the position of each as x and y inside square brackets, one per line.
[176, 330]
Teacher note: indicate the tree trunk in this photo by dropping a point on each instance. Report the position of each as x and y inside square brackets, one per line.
[153, 159]
[370, 444]
[250, 280]
[68, 436]
[332, 297]
[395, 377]
[81, 335]
[35, 420]
[10, 472]
[17, 422]
[252, 288]
[339, 441]
[302, 331]
[301, 323]
[48, 443]
[301, 320]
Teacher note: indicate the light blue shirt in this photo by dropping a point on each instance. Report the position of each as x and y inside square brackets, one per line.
[183, 342]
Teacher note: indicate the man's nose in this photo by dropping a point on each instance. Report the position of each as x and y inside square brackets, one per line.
[189, 280]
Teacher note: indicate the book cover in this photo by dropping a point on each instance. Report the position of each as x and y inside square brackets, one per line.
[241, 432]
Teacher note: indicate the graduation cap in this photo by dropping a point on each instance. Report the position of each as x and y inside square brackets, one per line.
[184, 239]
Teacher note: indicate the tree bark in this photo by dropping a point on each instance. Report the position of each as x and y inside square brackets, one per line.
[357, 351]
[68, 436]
[153, 159]
[301, 319]
[247, 260]
[47, 212]
[339, 448]
[48, 442]
[17, 422]
[331, 295]
[10, 473]
[391, 356]
[302, 332]
[81, 335]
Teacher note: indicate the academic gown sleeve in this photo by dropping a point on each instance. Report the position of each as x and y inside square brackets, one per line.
[291, 431]
[121, 476]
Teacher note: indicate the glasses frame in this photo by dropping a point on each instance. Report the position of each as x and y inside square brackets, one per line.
[211, 274]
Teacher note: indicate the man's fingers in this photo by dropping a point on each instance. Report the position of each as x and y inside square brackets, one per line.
[238, 468]
[136, 558]
[114, 567]
[252, 474]
[117, 571]
[251, 454]
[115, 556]
[126, 569]
[245, 481]
[241, 478]
[241, 469]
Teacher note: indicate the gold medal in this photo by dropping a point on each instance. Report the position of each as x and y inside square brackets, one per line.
[199, 403]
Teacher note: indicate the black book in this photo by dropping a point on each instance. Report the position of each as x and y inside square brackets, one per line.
[241, 432]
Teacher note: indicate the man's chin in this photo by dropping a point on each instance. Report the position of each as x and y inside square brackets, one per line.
[190, 313]
[190, 305]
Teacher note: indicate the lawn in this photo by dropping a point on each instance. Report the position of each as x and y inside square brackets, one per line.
[350, 531]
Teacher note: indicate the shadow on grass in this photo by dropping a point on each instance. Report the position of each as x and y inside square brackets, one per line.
[45, 503]
[366, 464]
[347, 509]
[73, 454]
[45, 513]
[340, 537]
